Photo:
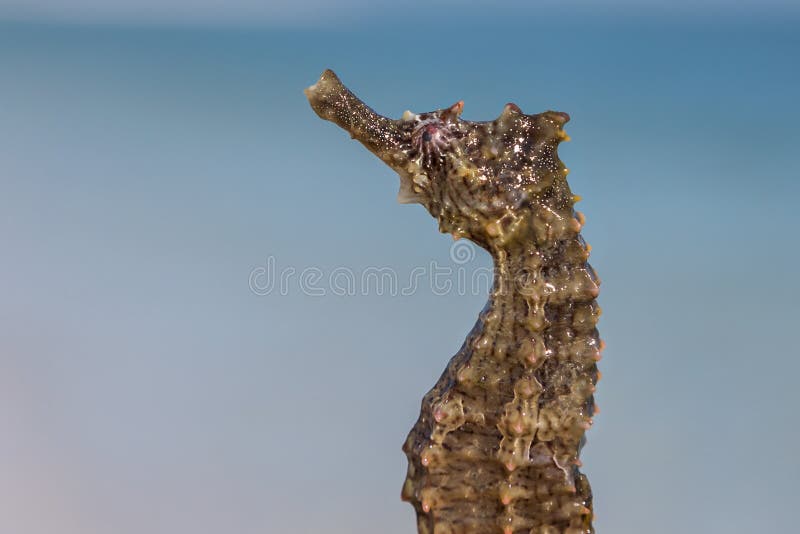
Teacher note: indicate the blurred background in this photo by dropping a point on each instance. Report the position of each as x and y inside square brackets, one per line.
[157, 157]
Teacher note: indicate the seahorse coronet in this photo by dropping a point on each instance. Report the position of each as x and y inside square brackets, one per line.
[496, 446]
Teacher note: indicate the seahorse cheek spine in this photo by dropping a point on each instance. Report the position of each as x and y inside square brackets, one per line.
[496, 446]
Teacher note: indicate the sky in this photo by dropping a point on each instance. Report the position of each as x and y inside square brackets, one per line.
[156, 171]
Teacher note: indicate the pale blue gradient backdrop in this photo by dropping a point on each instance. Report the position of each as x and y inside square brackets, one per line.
[147, 169]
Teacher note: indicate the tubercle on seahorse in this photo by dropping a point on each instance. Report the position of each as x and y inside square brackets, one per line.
[496, 445]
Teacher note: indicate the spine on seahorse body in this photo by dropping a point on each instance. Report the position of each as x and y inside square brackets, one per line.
[496, 446]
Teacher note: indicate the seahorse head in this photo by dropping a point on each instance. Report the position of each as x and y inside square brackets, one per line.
[481, 180]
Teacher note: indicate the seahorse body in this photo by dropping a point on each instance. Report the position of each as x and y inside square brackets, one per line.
[496, 445]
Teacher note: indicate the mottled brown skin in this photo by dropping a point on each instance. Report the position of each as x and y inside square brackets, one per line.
[496, 445]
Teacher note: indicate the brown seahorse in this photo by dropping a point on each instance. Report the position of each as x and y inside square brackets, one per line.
[496, 445]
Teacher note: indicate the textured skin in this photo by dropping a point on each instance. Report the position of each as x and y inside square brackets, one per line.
[496, 445]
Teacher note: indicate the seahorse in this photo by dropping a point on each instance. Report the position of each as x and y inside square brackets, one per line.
[497, 443]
